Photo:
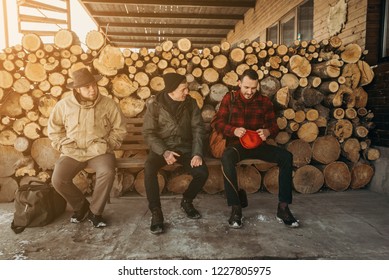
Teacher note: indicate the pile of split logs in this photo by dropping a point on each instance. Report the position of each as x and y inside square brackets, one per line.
[316, 88]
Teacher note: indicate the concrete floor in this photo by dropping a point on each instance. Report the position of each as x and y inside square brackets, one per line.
[348, 225]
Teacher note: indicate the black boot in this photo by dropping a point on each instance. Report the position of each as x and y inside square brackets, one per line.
[188, 208]
[156, 221]
[285, 216]
[235, 220]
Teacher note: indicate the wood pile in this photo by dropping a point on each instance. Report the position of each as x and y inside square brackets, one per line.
[316, 88]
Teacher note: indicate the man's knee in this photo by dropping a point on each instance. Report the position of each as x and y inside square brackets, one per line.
[285, 157]
[229, 157]
[150, 169]
[106, 172]
[288, 156]
[202, 172]
[60, 183]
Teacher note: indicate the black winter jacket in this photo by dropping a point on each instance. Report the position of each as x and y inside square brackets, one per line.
[182, 132]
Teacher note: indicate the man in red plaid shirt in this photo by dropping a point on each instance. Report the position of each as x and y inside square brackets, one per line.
[250, 111]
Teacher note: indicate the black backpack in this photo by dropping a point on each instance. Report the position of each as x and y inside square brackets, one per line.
[36, 204]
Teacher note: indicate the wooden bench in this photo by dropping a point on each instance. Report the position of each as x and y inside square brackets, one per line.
[133, 152]
[134, 142]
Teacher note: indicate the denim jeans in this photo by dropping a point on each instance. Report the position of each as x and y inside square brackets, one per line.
[283, 158]
[66, 168]
[154, 162]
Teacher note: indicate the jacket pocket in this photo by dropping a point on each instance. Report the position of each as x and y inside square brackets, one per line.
[98, 148]
[68, 148]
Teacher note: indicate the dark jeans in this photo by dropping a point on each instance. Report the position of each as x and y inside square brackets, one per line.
[232, 155]
[154, 162]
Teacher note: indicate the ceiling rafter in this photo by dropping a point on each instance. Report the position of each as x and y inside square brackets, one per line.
[105, 24]
[168, 15]
[194, 41]
[211, 3]
[155, 34]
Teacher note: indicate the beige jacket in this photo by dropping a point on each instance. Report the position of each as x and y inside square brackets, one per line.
[86, 131]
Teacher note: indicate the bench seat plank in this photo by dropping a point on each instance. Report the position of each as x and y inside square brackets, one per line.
[134, 141]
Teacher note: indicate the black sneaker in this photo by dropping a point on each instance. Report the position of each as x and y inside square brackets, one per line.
[190, 211]
[156, 221]
[286, 217]
[97, 220]
[235, 220]
[80, 215]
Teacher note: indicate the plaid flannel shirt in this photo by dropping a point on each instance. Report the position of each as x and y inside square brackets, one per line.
[251, 114]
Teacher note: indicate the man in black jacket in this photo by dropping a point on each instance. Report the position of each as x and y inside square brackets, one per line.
[174, 130]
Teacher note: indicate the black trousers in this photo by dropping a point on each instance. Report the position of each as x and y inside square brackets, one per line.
[233, 154]
[154, 162]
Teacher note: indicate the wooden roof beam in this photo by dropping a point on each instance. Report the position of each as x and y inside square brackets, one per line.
[167, 15]
[39, 32]
[39, 5]
[27, 18]
[194, 3]
[155, 34]
[155, 25]
[153, 45]
[154, 41]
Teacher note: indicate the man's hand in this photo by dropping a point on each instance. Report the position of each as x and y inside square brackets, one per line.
[263, 133]
[196, 161]
[170, 157]
[239, 132]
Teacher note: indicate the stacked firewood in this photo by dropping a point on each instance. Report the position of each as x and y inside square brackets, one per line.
[316, 88]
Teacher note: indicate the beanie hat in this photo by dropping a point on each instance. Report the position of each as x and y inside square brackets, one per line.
[250, 139]
[172, 81]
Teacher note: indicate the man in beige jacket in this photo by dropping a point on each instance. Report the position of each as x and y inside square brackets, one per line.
[85, 127]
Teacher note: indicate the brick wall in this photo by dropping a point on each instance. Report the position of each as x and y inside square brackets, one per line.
[378, 103]
[266, 13]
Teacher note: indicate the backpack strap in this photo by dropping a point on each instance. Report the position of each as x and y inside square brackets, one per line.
[232, 93]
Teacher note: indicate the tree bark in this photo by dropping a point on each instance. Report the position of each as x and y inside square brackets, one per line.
[337, 176]
[326, 149]
[361, 175]
[8, 157]
[44, 154]
[249, 178]
[214, 183]
[8, 188]
[308, 179]
[302, 152]
[270, 180]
